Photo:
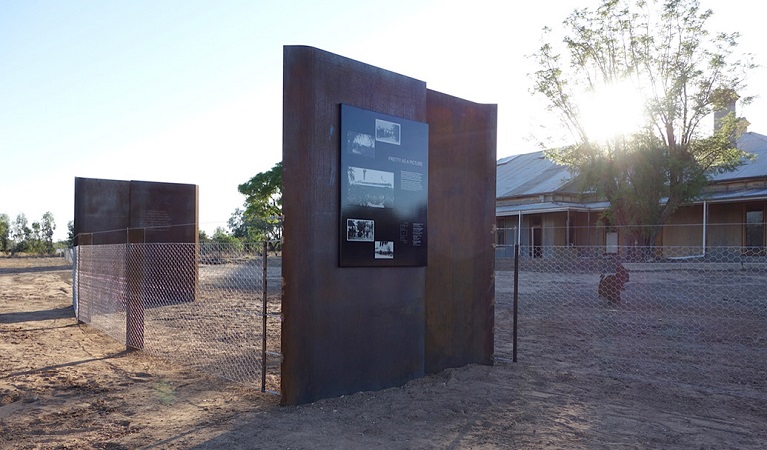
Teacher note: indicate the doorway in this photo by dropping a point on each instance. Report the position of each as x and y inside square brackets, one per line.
[536, 239]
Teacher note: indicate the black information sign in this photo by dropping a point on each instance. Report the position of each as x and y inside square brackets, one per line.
[384, 189]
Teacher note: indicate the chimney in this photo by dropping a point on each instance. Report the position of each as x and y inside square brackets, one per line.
[721, 113]
[723, 101]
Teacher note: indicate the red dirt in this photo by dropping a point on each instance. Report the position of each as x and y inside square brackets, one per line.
[67, 386]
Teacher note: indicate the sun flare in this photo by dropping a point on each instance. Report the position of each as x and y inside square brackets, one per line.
[612, 110]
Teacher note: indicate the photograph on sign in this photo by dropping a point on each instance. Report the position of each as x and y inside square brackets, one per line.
[368, 187]
[361, 144]
[384, 250]
[388, 132]
[360, 230]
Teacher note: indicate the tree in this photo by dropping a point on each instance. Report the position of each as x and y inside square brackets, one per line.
[238, 225]
[70, 233]
[683, 73]
[48, 226]
[262, 216]
[22, 238]
[35, 243]
[5, 232]
[220, 236]
[20, 234]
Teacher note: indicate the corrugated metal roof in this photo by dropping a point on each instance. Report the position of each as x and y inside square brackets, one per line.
[756, 144]
[529, 174]
[532, 174]
[745, 194]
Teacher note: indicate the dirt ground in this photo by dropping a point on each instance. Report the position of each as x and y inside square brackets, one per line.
[67, 386]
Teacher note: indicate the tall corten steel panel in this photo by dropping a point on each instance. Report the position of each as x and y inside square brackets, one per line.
[460, 278]
[348, 329]
[143, 212]
[102, 211]
[166, 211]
[105, 209]
[345, 329]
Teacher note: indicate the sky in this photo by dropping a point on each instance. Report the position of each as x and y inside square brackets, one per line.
[191, 91]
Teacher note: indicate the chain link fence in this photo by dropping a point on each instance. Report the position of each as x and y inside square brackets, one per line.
[676, 314]
[213, 307]
[679, 314]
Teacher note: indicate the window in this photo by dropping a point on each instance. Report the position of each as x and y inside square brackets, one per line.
[754, 233]
[611, 242]
[570, 231]
[536, 237]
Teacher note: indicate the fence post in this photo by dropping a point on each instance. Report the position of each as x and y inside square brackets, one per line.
[134, 307]
[263, 321]
[516, 297]
[75, 287]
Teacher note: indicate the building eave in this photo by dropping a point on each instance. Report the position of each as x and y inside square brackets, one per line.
[549, 207]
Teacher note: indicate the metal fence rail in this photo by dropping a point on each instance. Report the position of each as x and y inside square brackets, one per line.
[674, 314]
[206, 306]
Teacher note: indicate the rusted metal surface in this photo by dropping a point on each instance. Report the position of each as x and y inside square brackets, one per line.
[345, 329]
[365, 328]
[102, 208]
[167, 212]
[460, 280]
[142, 213]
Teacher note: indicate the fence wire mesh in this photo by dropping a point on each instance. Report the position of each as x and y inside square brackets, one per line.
[199, 305]
[678, 314]
[100, 288]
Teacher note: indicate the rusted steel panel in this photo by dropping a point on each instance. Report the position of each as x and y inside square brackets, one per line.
[460, 278]
[351, 329]
[143, 212]
[167, 212]
[345, 329]
[102, 207]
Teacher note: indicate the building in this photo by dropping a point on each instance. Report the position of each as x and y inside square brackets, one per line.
[539, 206]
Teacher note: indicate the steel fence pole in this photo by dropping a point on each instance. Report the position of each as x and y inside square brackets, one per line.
[134, 308]
[263, 321]
[75, 285]
[516, 297]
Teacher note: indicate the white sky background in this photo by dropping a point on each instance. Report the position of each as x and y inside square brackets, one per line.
[191, 91]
